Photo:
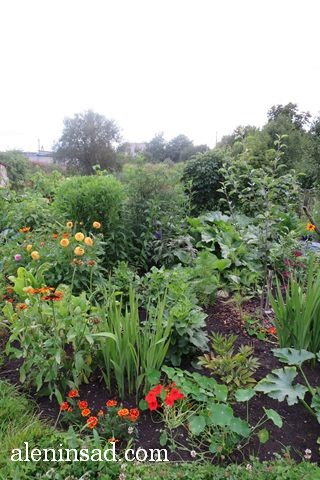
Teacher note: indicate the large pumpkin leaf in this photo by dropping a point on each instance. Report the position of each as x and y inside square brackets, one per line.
[291, 356]
[278, 385]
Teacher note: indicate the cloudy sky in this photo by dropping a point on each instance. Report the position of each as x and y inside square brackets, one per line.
[198, 67]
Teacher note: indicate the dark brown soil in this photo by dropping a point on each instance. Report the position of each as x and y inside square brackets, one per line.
[299, 432]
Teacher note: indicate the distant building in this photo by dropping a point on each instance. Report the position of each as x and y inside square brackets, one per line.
[4, 180]
[133, 149]
[42, 157]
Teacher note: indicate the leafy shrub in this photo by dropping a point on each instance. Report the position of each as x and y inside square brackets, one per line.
[17, 167]
[188, 335]
[85, 200]
[155, 207]
[202, 179]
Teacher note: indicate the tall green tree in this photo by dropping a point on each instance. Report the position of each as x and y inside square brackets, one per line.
[88, 139]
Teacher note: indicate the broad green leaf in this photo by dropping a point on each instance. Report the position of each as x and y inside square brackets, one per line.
[197, 424]
[273, 416]
[220, 415]
[278, 385]
[153, 376]
[143, 405]
[163, 439]
[241, 427]
[263, 435]
[244, 394]
[291, 356]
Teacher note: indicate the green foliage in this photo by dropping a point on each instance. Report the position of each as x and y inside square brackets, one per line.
[87, 199]
[54, 339]
[202, 179]
[128, 347]
[188, 319]
[297, 312]
[45, 184]
[236, 370]
[17, 167]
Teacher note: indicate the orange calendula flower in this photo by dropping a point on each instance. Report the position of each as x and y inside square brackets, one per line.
[123, 412]
[79, 236]
[69, 225]
[111, 403]
[310, 227]
[82, 404]
[29, 290]
[73, 393]
[64, 406]
[24, 229]
[85, 412]
[29, 248]
[78, 251]
[88, 241]
[100, 413]
[96, 225]
[65, 235]
[70, 409]
[64, 242]
[43, 289]
[54, 236]
[113, 440]
[92, 422]
[21, 306]
[272, 330]
[35, 255]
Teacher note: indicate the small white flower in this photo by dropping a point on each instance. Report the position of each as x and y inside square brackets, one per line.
[193, 453]
[122, 476]
[248, 466]
[130, 430]
[307, 454]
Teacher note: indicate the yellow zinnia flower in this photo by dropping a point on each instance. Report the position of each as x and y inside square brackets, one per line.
[96, 225]
[79, 251]
[69, 225]
[88, 241]
[64, 242]
[79, 236]
[29, 248]
[35, 255]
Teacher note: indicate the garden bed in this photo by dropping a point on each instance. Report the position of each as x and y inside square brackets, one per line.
[299, 432]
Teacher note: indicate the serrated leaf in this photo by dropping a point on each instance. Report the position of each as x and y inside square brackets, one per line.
[278, 385]
[291, 356]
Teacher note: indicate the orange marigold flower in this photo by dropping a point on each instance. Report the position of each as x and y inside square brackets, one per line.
[29, 290]
[82, 404]
[21, 306]
[272, 330]
[24, 229]
[79, 236]
[96, 225]
[113, 440]
[54, 236]
[310, 227]
[53, 297]
[78, 251]
[111, 403]
[100, 413]
[73, 393]
[64, 406]
[86, 412]
[70, 409]
[134, 412]
[9, 300]
[92, 422]
[65, 235]
[69, 225]
[123, 412]
[88, 241]
[64, 242]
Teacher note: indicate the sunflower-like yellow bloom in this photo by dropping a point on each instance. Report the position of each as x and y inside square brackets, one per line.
[310, 227]
[79, 251]
[64, 242]
[69, 225]
[96, 225]
[35, 255]
[79, 236]
[29, 248]
[88, 241]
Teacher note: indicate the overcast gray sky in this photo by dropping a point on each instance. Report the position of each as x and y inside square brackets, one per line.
[179, 66]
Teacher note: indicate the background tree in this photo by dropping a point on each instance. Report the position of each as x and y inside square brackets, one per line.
[178, 147]
[88, 139]
[156, 149]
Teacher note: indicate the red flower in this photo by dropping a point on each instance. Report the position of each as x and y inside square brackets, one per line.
[111, 403]
[92, 422]
[153, 404]
[157, 390]
[272, 330]
[82, 404]
[64, 406]
[297, 253]
[86, 412]
[169, 400]
[73, 394]
[134, 414]
[151, 397]
[176, 394]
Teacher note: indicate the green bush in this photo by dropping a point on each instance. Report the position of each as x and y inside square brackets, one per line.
[202, 179]
[17, 167]
[89, 199]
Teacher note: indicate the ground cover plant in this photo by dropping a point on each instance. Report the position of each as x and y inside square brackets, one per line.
[154, 306]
